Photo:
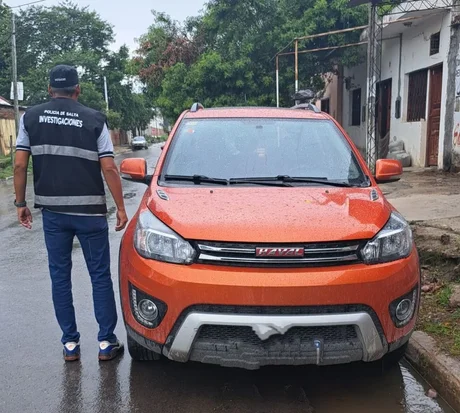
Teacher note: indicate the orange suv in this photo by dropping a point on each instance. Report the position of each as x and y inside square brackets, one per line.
[263, 239]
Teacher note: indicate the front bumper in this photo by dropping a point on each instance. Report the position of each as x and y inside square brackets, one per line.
[229, 337]
[258, 317]
[237, 353]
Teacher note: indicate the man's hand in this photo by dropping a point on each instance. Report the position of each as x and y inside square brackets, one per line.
[112, 177]
[122, 220]
[25, 217]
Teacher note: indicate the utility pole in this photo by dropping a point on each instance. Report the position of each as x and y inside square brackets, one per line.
[15, 71]
[277, 81]
[373, 77]
[15, 60]
[296, 66]
[106, 93]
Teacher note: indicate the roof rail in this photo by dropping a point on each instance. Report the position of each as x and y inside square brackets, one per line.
[307, 106]
[196, 107]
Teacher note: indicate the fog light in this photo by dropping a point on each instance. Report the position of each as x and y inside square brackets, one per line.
[402, 310]
[148, 309]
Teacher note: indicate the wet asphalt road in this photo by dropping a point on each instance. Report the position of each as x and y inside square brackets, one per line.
[34, 378]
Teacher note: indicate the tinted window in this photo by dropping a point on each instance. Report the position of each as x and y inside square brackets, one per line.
[243, 148]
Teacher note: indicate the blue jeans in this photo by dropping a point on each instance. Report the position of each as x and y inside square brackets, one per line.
[93, 234]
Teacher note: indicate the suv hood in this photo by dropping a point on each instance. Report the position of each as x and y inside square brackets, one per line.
[273, 215]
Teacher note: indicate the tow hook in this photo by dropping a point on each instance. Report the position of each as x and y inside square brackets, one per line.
[319, 351]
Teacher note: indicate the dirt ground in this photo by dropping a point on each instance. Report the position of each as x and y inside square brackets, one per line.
[438, 243]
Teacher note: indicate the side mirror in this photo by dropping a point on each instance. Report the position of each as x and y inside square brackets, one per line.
[135, 170]
[388, 170]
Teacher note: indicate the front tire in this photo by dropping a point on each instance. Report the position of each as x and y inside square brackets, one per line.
[140, 353]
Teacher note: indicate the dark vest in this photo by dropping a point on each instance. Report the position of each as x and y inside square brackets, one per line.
[67, 173]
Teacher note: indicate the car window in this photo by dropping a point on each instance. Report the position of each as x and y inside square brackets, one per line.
[243, 148]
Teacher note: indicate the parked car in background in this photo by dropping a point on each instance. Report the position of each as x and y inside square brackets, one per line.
[139, 142]
[264, 239]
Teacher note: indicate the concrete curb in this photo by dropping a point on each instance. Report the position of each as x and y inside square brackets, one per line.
[121, 151]
[440, 370]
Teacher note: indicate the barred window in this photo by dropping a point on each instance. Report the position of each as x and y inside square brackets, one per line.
[434, 43]
[356, 107]
[325, 105]
[416, 100]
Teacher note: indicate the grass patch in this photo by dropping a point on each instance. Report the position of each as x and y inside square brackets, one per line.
[447, 335]
[7, 167]
[440, 263]
[443, 296]
[159, 139]
[440, 321]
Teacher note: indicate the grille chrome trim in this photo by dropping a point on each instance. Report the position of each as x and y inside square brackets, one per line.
[331, 250]
[247, 260]
[335, 253]
[227, 250]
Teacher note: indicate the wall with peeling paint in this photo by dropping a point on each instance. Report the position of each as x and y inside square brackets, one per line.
[355, 78]
[415, 56]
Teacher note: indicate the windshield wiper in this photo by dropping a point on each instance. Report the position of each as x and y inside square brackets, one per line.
[285, 179]
[196, 179]
[257, 181]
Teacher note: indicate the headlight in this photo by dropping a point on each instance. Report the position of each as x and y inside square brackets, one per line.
[392, 243]
[155, 240]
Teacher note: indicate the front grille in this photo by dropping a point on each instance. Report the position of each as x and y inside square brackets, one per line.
[312, 255]
[295, 334]
[241, 347]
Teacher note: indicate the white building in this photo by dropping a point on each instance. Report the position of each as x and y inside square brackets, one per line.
[420, 89]
[156, 127]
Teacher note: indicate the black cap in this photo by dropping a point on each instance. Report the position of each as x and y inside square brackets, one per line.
[63, 76]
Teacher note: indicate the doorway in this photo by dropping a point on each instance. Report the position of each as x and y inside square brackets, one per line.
[434, 115]
[383, 117]
[383, 108]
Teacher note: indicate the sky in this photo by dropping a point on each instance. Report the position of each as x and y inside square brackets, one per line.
[131, 18]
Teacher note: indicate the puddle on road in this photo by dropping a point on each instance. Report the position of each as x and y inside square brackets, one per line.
[111, 211]
[358, 388]
[129, 195]
[415, 388]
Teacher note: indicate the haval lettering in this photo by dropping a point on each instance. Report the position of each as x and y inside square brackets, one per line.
[262, 239]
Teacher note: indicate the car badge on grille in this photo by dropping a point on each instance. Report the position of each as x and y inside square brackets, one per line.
[279, 252]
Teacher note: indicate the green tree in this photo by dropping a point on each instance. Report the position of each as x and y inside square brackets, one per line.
[5, 51]
[226, 55]
[47, 36]
[69, 34]
[91, 96]
[114, 119]
[135, 109]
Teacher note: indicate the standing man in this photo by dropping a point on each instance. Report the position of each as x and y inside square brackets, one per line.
[70, 145]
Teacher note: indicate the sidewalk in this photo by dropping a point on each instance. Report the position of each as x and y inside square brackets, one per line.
[430, 201]
[425, 195]
[119, 149]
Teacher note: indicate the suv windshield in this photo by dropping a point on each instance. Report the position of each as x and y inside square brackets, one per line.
[239, 149]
